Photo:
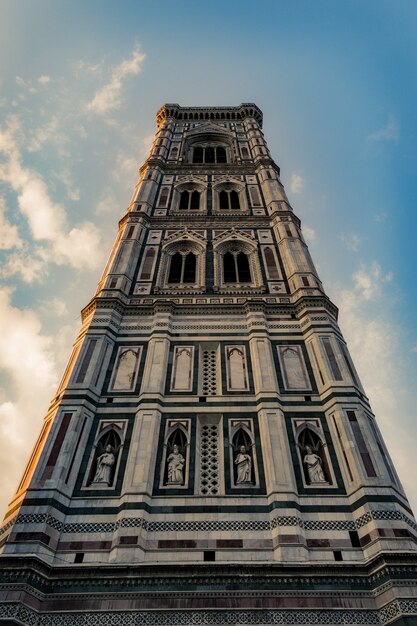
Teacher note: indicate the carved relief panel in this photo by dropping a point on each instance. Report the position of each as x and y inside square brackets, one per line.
[126, 368]
[236, 368]
[294, 372]
[182, 368]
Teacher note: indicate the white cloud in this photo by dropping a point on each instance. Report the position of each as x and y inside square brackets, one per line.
[44, 79]
[55, 307]
[9, 236]
[78, 246]
[107, 203]
[352, 241]
[108, 98]
[380, 217]
[309, 234]
[368, 281]
[389, 132]
[29, 265]
[43, 134]
[296, 182]
[25, 355]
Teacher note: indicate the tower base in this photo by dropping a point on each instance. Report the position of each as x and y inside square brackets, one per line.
[382, 592]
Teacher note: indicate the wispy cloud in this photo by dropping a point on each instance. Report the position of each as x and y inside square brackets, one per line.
[352, 241]
[296, 182]
[47, 219]
[368, 281]
[309, 233]
[9, 236]
[389, 132]
[109, 97]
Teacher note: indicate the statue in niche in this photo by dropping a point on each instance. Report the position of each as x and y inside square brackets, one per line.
[243, 464]
[313, 463]
[105, 463]
[176, 464]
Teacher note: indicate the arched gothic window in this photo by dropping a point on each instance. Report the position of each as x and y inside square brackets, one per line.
[209, 154]
[236, 268]
[182, 268]
[189, 201]
[229, 200]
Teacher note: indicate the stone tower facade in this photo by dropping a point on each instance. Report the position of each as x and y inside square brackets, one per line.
[210, 456]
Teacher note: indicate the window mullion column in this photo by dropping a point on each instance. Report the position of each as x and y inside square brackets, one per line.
[236, 266]
[182, 268]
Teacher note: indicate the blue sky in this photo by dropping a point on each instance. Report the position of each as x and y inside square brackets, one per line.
[80, 83]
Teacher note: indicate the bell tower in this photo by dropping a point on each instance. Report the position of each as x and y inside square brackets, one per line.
[210, 455]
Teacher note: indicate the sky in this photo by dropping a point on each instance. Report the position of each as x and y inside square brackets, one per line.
[80, 83]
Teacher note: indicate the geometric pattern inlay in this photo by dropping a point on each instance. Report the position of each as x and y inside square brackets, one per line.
[384, 515]
[209, 525]
[261, 617]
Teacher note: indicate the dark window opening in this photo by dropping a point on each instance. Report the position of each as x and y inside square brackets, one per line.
[182, 268]
[221, 155]
[175, 268]
[229, 268]
[79, 557]
[337, 555]
[198, 154]
[209, 555]
[243, 268]
[229, 200]
[236, 268]
[195, 201]
[189, 268]
[354, 539]
[209, 155]
[305, 281]
[189, 200]
[184, 201]
[234, 200]
[224, 200]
